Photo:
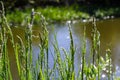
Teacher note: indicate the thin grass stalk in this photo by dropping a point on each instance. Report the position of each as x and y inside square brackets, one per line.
[9, 71]
[53, 69]
[72, 53]
[45, 33]
[0, 56]
[5, 74]
[109, 73]
[58, 58]
[28, 37]
[71, 48]
[1, 41]
[83, 54]
[41, 57]
[42, 76]
[27, 52]
[69, 70]
[109, 64]
[17, 59]
[44, 44]
[98, 53]
[19, 55]
[94, 42]
[68, 64]
[41, 62]
[3, 50]
[21, 58]
[42, 51]
[96, 46]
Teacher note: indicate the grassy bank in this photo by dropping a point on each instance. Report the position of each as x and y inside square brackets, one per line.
[53, 14]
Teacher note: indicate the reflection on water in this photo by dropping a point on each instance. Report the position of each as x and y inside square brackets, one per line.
[110, 37]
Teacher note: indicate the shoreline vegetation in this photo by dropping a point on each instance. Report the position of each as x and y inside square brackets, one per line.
[63, 13]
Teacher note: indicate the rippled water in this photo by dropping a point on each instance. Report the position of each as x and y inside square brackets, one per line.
[110, 37]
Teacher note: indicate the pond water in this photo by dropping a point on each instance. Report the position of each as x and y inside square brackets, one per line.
[110, 37]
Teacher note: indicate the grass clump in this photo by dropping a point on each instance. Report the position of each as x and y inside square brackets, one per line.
[64, 66]
[4, 59]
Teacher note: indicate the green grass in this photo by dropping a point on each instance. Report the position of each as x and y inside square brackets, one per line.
[62, 13]
[51, 14]
[58, 14]
[63, 68]
[102, 13]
